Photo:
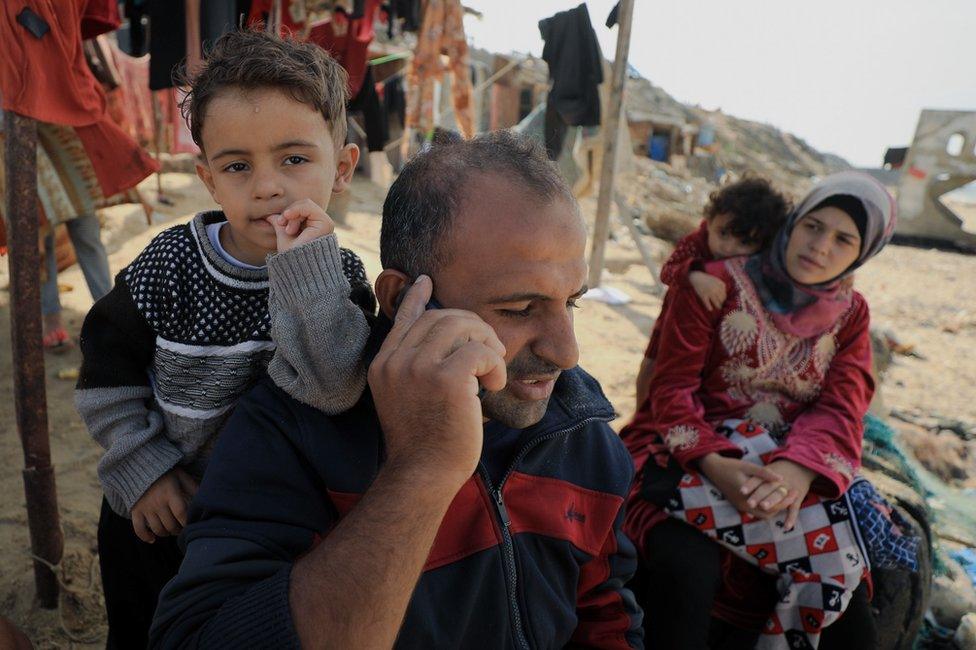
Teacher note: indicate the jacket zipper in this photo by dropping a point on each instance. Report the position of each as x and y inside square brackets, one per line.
[508, 545]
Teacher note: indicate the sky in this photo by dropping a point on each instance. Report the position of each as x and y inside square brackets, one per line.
[847, 76]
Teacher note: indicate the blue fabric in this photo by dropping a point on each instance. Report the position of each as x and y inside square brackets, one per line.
[499, 449]
[966, 557]
[881, 529]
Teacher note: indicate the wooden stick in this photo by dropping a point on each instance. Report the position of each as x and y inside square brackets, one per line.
[30, 390]
[611, 124]
[628, 220]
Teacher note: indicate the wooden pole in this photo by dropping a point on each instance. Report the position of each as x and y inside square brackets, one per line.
[611, 125]
[627, 219]
[30, 395]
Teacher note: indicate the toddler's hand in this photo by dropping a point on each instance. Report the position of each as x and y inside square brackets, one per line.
[711, 291]
[161, 511]
[300, 223]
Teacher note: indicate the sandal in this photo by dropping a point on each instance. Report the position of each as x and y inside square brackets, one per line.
[57, 341]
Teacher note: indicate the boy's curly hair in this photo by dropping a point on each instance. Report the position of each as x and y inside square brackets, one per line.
[251, 59]
[757, 210]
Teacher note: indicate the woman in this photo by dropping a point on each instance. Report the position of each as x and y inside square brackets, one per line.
[752, 435]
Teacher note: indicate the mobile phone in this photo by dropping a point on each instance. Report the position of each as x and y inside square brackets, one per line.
[431, 304]
[33, 23]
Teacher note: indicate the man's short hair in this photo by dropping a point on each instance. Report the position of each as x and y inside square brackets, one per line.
[423, 202]
[251, 59]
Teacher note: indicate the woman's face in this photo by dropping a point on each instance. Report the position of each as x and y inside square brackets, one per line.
[823, 244]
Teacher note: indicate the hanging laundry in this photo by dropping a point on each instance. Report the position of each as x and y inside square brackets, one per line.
[613, 16]
[131, 103]
[48, 79]
[442, 31]
[347, 40]
[406, 13]
[98, 54]
[67, 185]
[367, 101]
[394, 99]
[134, 37]
[575, 70]
[99, 17]
[293, 15]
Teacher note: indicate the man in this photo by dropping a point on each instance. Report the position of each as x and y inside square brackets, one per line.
[423, 516]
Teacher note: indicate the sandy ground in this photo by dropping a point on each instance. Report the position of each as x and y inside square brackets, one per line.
[924, 296]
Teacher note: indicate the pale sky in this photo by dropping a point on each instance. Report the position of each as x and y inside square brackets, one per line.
[848, 76]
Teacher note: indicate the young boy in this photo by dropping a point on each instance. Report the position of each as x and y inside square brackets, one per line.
[740, 219]
[187, 328]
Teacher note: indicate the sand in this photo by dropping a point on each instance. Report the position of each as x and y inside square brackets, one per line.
[925, 296]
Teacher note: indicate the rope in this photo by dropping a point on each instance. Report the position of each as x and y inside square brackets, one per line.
[58, 571]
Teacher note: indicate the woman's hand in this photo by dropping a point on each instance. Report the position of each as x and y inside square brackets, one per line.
[772, 497]
[730, 475]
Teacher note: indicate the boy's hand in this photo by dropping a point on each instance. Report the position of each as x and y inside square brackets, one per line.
[161, 511]
[300, 223]
[730, 475]
[711, 291]
[771, 497]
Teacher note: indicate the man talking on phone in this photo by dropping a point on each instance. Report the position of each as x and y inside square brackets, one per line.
[428, 516]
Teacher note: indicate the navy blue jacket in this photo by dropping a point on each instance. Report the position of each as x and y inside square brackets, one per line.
[538, 561]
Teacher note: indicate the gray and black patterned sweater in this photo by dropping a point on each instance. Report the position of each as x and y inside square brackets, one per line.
[183, 334]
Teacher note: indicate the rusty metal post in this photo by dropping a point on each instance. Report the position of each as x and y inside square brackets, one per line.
[30, 395]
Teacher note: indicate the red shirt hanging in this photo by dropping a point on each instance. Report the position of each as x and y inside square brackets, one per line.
[48, 79]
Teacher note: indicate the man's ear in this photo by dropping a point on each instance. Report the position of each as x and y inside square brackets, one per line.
[389, 285]
[346, 160]
[203, 171]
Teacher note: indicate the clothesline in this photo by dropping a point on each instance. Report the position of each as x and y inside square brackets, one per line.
[480, 87]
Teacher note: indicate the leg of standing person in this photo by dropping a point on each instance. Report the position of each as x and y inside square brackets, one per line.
[683, 575]
[54, 337]
[86, 237]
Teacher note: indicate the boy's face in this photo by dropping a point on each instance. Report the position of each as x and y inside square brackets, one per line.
[723, 243]
[264, 151]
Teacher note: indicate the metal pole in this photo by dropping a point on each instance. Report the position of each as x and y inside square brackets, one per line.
[602, 226]
[30, 398]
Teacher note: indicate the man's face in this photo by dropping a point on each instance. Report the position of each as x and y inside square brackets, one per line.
[520, 265]
[264, 151]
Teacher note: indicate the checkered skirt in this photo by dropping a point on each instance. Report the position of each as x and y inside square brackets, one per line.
[819, 562]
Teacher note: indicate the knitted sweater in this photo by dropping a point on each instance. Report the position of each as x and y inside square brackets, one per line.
[183, 334]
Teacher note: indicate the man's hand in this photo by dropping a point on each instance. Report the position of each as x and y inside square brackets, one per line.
[773, 497]
[711, 291]
[300, 223]
[161, 511]
[730, 474]
[425, 387]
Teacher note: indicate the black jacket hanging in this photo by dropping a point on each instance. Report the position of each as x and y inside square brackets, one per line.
[575, 68]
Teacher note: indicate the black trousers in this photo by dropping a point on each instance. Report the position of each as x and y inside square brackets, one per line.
[133, 574]
[677, 586]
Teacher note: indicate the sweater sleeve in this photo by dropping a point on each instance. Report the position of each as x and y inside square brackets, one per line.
[679, 417]
[827, 436]
[690, 251]
[113, 397]
[258, 509]
[319, 301]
